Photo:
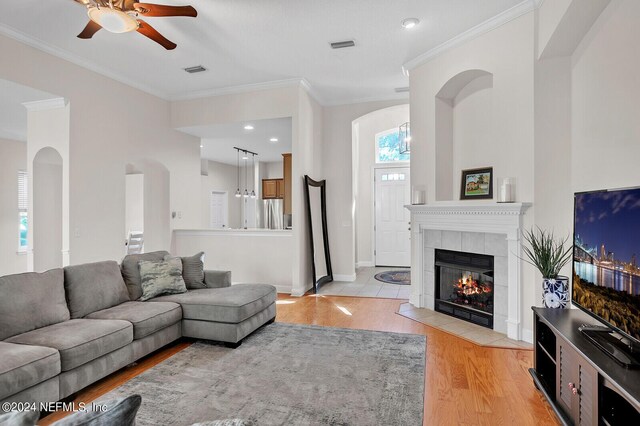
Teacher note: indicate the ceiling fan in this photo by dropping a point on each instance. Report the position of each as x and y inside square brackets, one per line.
[122, 16]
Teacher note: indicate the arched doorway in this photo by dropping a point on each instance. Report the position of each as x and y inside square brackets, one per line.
[147, 206]
[371, 132]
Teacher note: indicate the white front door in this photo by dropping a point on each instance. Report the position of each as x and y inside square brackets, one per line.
[218, 210]
[392, 234]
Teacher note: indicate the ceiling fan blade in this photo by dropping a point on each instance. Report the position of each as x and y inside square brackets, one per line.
[90, 30]
[148, 31]
[157, 10]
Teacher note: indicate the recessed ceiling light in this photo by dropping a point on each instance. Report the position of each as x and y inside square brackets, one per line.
[274, 140]
[201, 146]
[410, 23]
[249, 127]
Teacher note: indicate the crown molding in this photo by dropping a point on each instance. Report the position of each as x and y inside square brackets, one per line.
[312, 91]
[500, 19]
[43, 46]
[45, 104]
[12, 136]
[243, 88]
[393, 97]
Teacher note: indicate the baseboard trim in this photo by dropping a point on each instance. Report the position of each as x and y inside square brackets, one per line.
[286, 289]
[365, 264]
[344, 278]
[280, 288]
[527, 335]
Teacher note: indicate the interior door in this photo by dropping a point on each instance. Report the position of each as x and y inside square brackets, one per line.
[392, 234]
[218, 210]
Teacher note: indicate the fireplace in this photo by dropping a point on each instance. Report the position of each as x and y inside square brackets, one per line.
[464, 286]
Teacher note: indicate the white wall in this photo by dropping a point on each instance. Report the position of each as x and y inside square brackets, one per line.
[111, 125]
[604, 109]
[552, 158]
[222, 177]
[47, 210]
[13, 157]
[134, 192]
[337, 157]
[272, 170]
[365, 163]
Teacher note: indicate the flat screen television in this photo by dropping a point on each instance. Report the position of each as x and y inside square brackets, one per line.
[606, 274]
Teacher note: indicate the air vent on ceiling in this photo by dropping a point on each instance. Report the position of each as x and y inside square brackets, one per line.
[402, 89]
[342, 44]
[197, 68]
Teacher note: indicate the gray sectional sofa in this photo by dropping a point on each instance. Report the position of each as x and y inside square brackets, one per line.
[64, 329]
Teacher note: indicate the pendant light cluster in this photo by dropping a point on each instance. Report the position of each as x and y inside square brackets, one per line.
[245, 157]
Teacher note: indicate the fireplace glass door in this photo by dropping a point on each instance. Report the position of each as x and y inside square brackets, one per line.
[464, 286]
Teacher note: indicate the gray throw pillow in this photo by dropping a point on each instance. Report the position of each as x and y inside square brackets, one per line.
[19, 418]
[121, 412]
[193, 271]
[161, 277]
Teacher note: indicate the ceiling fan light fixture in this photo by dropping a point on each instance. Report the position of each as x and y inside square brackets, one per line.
[113, 20]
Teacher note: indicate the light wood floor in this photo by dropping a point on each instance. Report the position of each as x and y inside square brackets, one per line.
[465, 384]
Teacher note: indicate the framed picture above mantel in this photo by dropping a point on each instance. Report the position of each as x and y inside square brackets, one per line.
[477, 184]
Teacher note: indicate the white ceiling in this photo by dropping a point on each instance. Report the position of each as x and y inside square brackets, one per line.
[218, 140]
[247, 42]
[13, 115]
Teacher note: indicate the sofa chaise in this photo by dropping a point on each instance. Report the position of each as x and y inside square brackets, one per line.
[64, 329]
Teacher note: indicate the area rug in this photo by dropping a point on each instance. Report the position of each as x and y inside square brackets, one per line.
[287, 374]
[395, 277]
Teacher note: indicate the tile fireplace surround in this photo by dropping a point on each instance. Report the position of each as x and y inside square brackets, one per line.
[484, 228]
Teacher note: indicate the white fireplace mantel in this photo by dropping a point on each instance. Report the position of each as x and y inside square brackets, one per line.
[470, 216]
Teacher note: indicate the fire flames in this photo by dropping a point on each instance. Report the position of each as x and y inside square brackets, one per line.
[468, 286]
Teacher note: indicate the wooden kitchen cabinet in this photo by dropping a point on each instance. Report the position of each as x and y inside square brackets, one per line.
[270, 188]
[287, 166]
[280, 188]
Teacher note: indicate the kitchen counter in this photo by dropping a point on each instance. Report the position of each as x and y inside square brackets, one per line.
[252, 255]
[229, 231]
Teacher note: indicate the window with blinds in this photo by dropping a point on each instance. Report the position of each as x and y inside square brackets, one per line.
[23, 206]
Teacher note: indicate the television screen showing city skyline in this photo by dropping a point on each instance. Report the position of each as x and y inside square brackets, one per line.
[606, 277]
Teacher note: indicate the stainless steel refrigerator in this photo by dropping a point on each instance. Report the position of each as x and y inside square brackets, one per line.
[273, 213]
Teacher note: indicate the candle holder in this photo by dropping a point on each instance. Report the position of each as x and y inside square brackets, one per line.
[506, 190]
[418, 194]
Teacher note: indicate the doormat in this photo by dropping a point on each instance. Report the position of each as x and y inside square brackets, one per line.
[395, 277]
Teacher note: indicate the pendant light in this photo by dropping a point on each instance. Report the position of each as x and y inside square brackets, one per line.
[238, 194]
[253, 177]
[246, 157]
[404, 134]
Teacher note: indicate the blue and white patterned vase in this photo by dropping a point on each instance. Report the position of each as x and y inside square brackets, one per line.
[555, 292]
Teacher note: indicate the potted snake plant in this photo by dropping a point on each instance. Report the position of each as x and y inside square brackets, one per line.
[549, 255]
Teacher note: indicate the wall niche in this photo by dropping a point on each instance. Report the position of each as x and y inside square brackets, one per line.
[464, 128]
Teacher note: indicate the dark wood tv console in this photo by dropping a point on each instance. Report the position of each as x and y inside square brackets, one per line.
[583, 384]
